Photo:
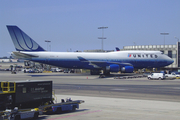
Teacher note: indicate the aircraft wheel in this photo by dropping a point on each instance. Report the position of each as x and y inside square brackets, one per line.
[74, 108]
[17, 117]
[36, 115]
[59, 110]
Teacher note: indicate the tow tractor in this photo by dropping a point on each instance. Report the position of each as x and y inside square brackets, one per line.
[20, 114]
[16, 114]
[64, 106]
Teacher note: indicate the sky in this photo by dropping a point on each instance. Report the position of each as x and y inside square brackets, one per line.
[72, 25]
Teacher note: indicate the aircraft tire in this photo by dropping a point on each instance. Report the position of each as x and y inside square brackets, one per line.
[59, 110]
[74, 108]
[17, 117]
[36, 115]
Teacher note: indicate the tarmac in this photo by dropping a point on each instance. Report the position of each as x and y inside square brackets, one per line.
[102, 108]
[109, 98]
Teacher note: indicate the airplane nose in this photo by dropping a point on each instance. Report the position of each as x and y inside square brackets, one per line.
[170, 61]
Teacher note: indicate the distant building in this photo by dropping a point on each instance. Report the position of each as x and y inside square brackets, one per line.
[98, 50]
[8, 60]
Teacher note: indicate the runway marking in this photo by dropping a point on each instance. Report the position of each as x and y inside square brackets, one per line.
[176, 88]
[75, 115]
[119, 89]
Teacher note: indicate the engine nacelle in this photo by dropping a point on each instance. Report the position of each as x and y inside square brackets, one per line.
[113, 68]
[127, 69]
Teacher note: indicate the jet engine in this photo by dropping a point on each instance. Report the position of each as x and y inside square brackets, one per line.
[127, 69]
[113, 68]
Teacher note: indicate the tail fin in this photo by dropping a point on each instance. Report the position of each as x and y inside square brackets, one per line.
[22, 41]
[117, 49]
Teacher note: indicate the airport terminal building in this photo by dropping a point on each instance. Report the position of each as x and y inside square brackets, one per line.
[173, 51]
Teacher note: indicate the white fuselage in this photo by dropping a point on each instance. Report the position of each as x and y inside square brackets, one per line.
[138, 59]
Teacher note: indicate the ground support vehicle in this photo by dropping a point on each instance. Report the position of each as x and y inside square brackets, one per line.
[66, 71]
[172, 75]
[159, 76]
[20, 114]
[31, 94]
[25, 94]
[56, 70]
[69, 105]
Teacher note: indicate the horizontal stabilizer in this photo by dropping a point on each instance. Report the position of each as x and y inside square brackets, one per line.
[23, 55]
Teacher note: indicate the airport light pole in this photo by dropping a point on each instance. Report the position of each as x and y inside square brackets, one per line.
[164, 36]
[48, 41]
[134, 43]
[176, 38]
[102, 38]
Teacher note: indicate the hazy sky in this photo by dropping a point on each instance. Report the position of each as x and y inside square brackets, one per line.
[73, 24]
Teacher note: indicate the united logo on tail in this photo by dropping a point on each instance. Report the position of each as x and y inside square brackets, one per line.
[22, 41]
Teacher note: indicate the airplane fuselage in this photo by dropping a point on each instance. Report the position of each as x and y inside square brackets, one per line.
[137, 59]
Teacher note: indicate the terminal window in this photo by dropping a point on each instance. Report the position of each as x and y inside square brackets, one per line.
[170, 54]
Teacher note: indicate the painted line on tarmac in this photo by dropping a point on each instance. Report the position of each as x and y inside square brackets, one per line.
[178, 88]
[119, 89]
[75, 115]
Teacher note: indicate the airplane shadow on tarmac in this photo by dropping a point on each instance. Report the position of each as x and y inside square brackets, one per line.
[83, 74]
[44, 75]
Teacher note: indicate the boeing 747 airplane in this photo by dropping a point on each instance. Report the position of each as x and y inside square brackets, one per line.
[124, 61]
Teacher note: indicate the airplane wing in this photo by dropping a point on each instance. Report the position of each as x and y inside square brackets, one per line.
[100, 64]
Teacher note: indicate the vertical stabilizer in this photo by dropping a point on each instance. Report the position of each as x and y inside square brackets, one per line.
[22, 41]
[117, 49]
